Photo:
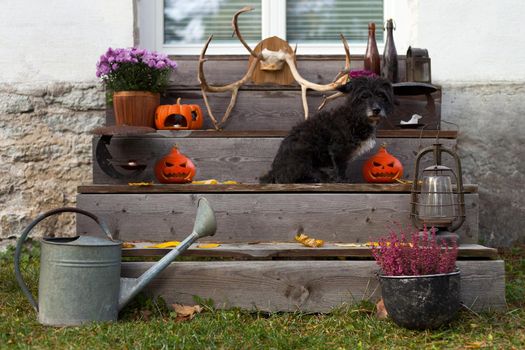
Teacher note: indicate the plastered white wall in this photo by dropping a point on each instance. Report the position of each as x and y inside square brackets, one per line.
[60, 40]
[469, 40]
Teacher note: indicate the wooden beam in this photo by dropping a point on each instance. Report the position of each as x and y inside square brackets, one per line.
[401, 133]
[272, 250]
[306, 286]
[252, 217]
[256, 188]
[240, 159]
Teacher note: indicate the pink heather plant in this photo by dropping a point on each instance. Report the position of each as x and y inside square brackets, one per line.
[134, 69]
[397, 256]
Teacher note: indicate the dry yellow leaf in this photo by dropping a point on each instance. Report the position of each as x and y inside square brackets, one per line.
[214, 182]
[208, 245]
[170, 244]
[185, 312]
[308, 241]
[140, 183]
[205, 182]
[127, 245]
[350, 244]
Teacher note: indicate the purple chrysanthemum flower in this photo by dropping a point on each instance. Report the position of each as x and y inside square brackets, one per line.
[134, 69]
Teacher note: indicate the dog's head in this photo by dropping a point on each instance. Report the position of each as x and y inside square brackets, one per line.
[372, 95]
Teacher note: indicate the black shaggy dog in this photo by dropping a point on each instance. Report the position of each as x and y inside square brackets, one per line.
[318, 149]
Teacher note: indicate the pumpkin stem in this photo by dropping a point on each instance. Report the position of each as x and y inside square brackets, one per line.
[383, 145]
[178, 101]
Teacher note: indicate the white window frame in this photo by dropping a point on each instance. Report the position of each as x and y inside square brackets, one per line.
[273, 17]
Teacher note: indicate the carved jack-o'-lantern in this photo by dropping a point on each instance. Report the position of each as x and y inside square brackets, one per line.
[382, 167]
[175, 168]
[178, 117]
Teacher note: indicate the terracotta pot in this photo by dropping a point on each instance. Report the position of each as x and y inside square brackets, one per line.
[136, 108]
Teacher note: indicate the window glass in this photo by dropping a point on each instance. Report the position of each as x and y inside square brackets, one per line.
[190, 22]
[323, 20]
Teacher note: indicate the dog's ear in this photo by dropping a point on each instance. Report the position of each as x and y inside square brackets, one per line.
[345, 88]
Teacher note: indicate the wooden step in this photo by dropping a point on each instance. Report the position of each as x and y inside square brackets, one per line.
[275, 250]
[240, 156]
[251, 213]
[274, 107]
[306, 286]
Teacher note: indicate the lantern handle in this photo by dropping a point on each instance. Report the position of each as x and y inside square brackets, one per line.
[459, 190]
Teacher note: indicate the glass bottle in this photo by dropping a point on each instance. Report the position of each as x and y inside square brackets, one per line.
[389, 61]
[372, 61]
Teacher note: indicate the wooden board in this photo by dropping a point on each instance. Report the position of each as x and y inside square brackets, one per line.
[274, 107]
[307, 286]
[252, 217]
[240, 159]
[275, 250]
[400, 133]
[224, 69]
[283, 109]
[257, 188]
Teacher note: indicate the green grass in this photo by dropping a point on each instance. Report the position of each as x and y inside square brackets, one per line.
[149, 324]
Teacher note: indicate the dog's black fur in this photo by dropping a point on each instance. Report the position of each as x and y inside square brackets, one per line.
[318, 149]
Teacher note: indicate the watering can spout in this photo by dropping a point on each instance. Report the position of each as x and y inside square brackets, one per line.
[205, 225]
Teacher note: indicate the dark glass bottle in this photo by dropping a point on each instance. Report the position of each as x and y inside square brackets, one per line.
[389, 60]
[372, 60]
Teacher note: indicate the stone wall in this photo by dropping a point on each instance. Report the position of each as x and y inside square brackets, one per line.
[45, 151]
[491, 145]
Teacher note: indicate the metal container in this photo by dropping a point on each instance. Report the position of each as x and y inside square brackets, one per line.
[80, 276]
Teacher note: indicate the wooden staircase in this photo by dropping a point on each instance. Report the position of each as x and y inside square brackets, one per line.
[258, 266]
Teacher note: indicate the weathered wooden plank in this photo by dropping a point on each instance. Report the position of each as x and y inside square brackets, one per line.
[247, 217]
[257, 188]
[221, 70]
[274, 250]
[399, 133]
[240, 159]
[307, 286]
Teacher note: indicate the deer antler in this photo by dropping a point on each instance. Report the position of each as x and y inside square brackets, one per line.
[238, 32]
[288, 57]
[233, 87]
[343, 73]
[305, 84]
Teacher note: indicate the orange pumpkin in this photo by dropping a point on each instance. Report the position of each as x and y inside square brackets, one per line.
[175, 168]
[178, 117]
[382, 167]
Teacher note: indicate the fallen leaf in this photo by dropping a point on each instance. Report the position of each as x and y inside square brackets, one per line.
[475, 345]
[186, 312]
[170, 244]
[350, 244]
[140, 183]
[205, 182]
[230, 182]
[208, 245]
[381, 312]
[146, 314]
[127, 245]
[308, 241]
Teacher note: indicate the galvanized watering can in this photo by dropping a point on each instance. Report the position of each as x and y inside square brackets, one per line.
[80, 276]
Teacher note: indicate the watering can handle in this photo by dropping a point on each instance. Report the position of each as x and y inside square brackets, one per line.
[25, 233]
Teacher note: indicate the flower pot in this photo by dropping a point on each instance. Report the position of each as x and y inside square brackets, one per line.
[136, 108]
[421, 302]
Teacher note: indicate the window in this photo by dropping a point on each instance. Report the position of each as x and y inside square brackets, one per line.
[181, 27]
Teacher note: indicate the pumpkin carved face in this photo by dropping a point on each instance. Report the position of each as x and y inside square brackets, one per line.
[178, 117]
[175, 168]
[382, 167]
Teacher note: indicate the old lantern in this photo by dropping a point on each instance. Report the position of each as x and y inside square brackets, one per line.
[418, 65]
[437, 194]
